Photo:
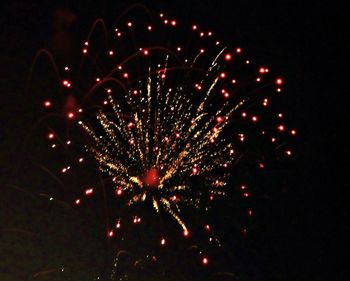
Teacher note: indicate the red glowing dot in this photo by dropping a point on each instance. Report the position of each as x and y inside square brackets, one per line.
[111, 53]
[194, 170]
[119, 191]
[77, 202]
[210, 33]
[280, 115]
[129, 24]
[280, 128]
[89, 191]
[110, 233]
[47, 103]
[262, 70]
[70, 115]
[228, 57]
[85, 51]
[186, 233]
[51, 136]
[243, 187]
[207, 227]
[86, 43]
[219, 119]
[125, 75]
[202, 51]
[173, 22]
[162, 242]
[254, 118]
[279, 81]
[244, 114]
[66, 83]
[81, 160]
[261, 166]
[145, 52]
[238, 50]
[288, 152]
[226, 95]
[194, 27]
[201, 34]
[293, 132]
[178, 49]
[149, 28]
[250, 212]
[245, 194]
[117, 225]
[205, 261]
[222, 75]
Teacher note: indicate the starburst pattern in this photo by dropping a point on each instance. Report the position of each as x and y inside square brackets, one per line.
[157, 114]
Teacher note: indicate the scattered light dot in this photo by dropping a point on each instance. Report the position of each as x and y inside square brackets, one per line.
[222, 75]
[66, 83]
[89, 191]
[205, 261]
[279, 81]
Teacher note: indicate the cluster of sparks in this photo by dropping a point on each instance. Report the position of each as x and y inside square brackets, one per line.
[154, 131]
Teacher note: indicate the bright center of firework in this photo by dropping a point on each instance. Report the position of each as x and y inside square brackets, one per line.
[151, 177]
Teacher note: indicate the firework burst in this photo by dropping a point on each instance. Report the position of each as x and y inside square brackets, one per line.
[163, 119]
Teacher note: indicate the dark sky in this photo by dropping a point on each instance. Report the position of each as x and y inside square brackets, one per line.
[306, 42]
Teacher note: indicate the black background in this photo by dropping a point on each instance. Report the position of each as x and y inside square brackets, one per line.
[306, 41]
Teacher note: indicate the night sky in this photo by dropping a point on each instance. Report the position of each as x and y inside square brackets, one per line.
[300, 231]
